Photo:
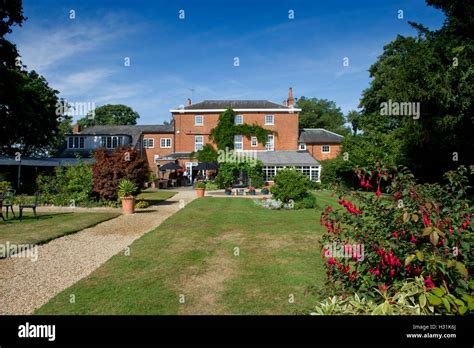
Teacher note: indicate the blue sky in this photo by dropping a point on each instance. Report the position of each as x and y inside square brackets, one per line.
[172, 58]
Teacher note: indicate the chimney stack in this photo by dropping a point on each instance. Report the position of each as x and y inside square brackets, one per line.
[291, 101]
[189, 101]
[76, 129]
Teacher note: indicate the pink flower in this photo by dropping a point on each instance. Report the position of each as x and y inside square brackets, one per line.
[394, 234]
[413, 239]
[331, 261]
[429, 283]
[426, 221]
[378, 193]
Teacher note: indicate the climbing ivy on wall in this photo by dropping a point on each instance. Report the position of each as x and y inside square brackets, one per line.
[223, 134]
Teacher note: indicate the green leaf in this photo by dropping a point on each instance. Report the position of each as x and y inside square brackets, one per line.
[426, 231]
[446, 304]
[438, 292]
[434, 238]
[414, 217]
[451, 263]
[461, 268]
[420, 255]
[462, 310]
[441, 233]
[422, 300]
[406, 217]
[409, 259]
[434, 300]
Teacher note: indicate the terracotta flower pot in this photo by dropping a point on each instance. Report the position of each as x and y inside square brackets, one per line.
[200, 192]
[128, 205]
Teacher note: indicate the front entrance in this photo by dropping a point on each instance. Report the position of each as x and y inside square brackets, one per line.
[189, 168]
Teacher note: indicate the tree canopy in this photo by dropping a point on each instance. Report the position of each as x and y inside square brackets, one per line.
[30, 124]
[321, 113]
[434, 69]
[109, 114]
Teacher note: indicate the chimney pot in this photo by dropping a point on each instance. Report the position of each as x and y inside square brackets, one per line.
[291, 100]
[189, 101]
[76, 129]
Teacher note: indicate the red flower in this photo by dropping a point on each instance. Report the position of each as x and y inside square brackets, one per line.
[413, 239]
[394, 234]
[429, 283]
[378, 193]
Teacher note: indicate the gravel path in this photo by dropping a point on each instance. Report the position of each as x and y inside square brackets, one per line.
[26, 285]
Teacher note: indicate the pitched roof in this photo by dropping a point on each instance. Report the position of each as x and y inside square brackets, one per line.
[132, 130]
[319, 135]
[286, 158]
[236, 104]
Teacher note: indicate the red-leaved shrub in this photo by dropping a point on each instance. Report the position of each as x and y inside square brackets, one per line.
[110, 168]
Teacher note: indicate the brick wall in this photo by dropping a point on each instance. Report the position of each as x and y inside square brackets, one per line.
[316, 151]
[285, 124]
[157, 149]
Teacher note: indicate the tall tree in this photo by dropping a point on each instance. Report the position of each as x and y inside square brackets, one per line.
[29, 122]
[110, 115]
[321, 113]
[353, 117]
[434, 69]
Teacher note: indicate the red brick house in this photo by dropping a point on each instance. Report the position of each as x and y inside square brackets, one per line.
[191, 127]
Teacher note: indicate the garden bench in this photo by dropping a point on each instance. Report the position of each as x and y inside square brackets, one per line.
[8, 199]
[30, 206]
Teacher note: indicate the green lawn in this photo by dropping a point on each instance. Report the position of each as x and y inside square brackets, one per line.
[48, 226]
[155, 196]
[193, 254]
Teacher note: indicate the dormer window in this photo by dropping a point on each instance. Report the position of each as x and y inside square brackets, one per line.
[111, 142]
[75, 143]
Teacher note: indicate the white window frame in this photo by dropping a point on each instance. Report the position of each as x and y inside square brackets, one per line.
[148, 143]
[238, 142]
[199, 117]
[270, 123]
[167, 143]
[270, 144]
[105, 140]
[76, 142]
[253, 142]
[196, 142]
[241, 117]
[328, 151]
[302, 146]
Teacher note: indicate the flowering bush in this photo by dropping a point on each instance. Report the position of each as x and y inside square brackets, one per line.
[414, 230]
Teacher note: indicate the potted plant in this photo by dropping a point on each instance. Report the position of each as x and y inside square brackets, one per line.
[228, 191]
[200, 188]
[251, 191]
[126, 189]
[264, 190]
